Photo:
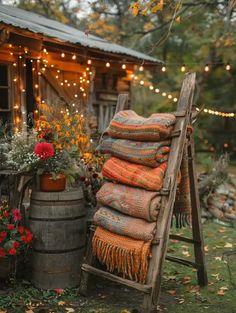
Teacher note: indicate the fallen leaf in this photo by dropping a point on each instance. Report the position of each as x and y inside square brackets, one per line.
[186, 253]
[61, 303]
[172, 292]
[224, 288]
[221, 293]
[218, 258]
[70, 310]
[228, 245]
[28, 311]
[194, 289]
[186, 280]
[221, 230]
[206, 249]
[181, 301]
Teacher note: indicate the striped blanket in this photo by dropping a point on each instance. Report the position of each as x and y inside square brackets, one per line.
[129, 125]
[124, 225]
[145, 153]
[135, 175]
[135, 202]
[124, 255]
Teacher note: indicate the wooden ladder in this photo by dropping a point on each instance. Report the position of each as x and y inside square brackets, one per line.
[151, 288]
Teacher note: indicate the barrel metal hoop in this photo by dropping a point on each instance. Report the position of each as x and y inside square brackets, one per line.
[57, 219]
[58, 251]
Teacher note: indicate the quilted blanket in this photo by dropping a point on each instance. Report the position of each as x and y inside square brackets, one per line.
[129, 125]
[132, 201]
[124, 255]
[135, 175]
[146, 153]
[125, 225]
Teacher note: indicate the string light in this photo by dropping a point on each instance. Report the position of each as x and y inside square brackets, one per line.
[163, 94]
[89, 62]
[183, 68]
[206, 68]
[74, 57]
[63, 55]
[218, 113]
[108, 64]
[228, 67]
[123, 67]
[151, 87]
[163, 69]
[141, 68]
[157, 90]
[141, 82]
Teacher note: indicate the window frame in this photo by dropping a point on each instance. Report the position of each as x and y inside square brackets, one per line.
[8, 87]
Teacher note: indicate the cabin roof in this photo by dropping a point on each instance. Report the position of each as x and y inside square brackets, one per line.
[38, 24]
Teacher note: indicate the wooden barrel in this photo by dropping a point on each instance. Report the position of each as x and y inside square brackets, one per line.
[57, 221]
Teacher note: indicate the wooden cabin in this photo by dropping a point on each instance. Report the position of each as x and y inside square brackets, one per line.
[42, 60]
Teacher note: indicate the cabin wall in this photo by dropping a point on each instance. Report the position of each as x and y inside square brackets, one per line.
[34, 77]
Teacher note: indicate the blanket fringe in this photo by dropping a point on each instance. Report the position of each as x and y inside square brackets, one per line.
[131, 262]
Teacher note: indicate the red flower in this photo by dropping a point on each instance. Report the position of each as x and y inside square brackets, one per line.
[10, 226]
[12, 251]
[16, 215]
[16, 244]
[6, 214]
[59, 291]
[20, 229]
[3, 235]
[44, 150]
[2, 252]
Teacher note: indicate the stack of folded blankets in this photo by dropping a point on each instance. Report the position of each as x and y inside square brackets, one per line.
[128, 201]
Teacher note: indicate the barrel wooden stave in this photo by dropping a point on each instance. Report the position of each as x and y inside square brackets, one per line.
[57, 220]
[59, 270]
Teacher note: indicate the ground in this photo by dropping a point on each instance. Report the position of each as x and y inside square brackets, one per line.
[180, 292]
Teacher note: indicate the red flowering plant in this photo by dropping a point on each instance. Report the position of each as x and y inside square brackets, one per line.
[53, 161]
[14, 238]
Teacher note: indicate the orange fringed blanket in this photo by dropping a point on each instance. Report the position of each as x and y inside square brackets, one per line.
[124, 255]
[129, 125]
[134, 174]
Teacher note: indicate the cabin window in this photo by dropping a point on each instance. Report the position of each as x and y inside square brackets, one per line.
[4, 92]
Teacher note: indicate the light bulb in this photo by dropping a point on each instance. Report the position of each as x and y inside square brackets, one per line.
[183, 68]
[89, 61]
[141, 68]
[228, 67]
[163, 69]
[206, 68]
[123, 66]
[157, 90]
[108, 64]
[74, 57]
[63, 55]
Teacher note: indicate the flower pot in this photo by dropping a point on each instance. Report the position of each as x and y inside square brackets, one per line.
[49, 184]
[6, 267]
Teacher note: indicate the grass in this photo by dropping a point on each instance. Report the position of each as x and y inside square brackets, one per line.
[180, 292]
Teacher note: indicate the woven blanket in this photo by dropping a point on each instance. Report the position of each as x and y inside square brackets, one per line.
[132, 201]
[135, 175]
[182, 206]
[129, 125]
[146, 153]
[124, 255]
[124, 225]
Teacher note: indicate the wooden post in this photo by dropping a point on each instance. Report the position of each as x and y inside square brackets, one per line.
[196, 219]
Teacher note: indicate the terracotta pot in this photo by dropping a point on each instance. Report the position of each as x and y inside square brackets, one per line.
[48, 184]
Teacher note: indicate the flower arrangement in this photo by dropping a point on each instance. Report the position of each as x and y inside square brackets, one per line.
[14, 238]
[64, 127]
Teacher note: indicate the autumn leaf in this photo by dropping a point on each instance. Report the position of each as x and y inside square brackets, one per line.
[135, 8]
[221, 292]
[172, 292]
[186, 280]
[158, 7]
[221, 230]
[178, 19]
[69, 310]
[206, 249]
[61, 303]
[228, 245]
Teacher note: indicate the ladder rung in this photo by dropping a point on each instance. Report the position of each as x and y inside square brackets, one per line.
[93, 270]
[182, 261]
[185, 239]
